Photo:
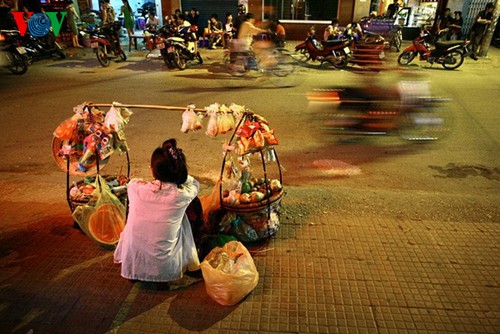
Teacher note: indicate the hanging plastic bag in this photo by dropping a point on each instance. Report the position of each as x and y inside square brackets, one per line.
[198, 124]
[226, 120]
[212, 127]
[103, 218]
[67, 130]
[189, 119]
[210, 204]
[229, 273]
[114, 120]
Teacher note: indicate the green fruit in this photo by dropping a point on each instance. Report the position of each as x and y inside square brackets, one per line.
[246, 188]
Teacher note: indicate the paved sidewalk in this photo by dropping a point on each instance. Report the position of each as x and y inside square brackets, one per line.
[323, 273]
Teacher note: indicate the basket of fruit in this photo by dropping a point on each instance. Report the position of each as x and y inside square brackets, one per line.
[251, 188]
[82, 191]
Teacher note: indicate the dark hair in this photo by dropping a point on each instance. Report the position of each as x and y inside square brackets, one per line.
[335, 21]
[128, 5]
[249, 16]
[490, 5]
[182, 17]
[228, 14]
[214, 16]
[168, 163]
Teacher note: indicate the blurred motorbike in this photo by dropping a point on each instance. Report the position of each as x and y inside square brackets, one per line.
[263, 57]
[336, 52]
[407, 111]
[450, 54]
[43, 47]
[105, 42]
[13, 55]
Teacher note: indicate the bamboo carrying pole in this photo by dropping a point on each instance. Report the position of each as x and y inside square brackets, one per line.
[144, 106]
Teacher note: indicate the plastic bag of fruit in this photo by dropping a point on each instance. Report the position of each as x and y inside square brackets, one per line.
[229, 273]
[103, 218]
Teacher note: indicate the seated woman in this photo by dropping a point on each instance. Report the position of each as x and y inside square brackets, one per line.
[332, 31]
[157, 244]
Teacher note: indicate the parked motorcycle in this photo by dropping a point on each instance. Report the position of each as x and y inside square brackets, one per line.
[13, 55]
[407, 111]
[450, 54]
[182, 48]
[43, 47]
[105, 42]
[336, 52]
[164, 44]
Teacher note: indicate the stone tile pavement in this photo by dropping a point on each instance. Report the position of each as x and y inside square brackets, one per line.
[323, 273]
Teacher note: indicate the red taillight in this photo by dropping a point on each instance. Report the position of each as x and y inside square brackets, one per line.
[323, 96]
[2, 37]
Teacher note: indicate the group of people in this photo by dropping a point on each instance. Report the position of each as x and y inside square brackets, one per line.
[450, 28]
[241, 28]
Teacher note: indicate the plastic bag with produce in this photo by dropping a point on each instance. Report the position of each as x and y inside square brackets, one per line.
[229, 273]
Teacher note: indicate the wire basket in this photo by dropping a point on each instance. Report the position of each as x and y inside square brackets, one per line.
[262, 215]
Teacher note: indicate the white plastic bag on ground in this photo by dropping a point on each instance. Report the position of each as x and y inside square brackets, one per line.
[229, 273]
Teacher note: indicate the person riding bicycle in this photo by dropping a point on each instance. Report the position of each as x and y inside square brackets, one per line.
[247, 31]
[245, 42]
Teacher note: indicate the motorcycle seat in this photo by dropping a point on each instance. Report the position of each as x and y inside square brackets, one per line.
[176, 39]
[332, 42]
[447, 44]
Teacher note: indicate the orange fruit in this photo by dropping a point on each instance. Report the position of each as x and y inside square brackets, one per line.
[106, 224]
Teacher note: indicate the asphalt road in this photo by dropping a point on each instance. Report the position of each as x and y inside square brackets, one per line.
[456, 179]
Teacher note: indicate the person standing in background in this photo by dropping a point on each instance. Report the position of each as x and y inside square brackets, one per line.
[482, 21]
[108, 13]
[7, 21]
[443, 25]
[393, 9]
[72, 17]
[128, 17]
[456, 26]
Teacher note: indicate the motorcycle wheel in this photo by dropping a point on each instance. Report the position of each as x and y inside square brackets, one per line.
[20, 64]
[198, 56]
[122, 55]
[406, 57]
[339, 62]
[59, 51]
[102, 57]
[302, 55]
[396, 41]
[179, 60]
[457, 57]
[170, 61]
[236, 67]
[167, 58]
